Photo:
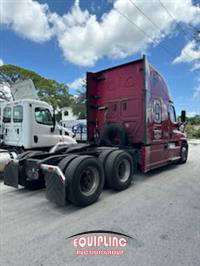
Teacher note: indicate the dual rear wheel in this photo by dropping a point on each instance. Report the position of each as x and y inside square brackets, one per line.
[119, 169]
[85, 175]
[84, 179]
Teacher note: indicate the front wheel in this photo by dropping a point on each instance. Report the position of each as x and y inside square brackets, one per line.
[184, 154]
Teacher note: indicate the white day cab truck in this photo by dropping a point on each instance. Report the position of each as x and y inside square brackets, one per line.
[131, 124]
[29, 125]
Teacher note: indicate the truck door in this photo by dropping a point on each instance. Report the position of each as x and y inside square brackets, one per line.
[17, 124]
[173, 145]
[159, 152]
[7, 127]
[42, 124]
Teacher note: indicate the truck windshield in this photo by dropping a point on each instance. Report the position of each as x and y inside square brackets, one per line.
[7, 115]
[17, 114]
[43, 116]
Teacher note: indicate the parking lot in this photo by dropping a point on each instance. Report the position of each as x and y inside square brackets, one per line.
[160, 211]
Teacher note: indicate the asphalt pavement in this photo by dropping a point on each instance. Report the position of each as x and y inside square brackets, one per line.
[160, 211]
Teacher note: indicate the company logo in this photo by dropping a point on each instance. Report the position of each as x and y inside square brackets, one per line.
[116, 240]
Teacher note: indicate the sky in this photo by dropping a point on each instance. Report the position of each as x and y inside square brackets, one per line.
[63, 39]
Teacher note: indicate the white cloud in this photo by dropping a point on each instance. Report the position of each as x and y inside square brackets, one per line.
[190, 53]
[27, 17]
[196, 66]
[77, 83]
[1, 62]
[5, 92]
[196, 94]
[191, 114]
[84, 39]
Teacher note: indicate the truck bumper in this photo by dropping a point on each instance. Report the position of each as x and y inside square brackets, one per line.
[11, 174]
[55, 183]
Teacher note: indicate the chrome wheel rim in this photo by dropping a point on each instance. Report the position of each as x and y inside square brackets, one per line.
[184, 153]
[89, 181]
[124, 170]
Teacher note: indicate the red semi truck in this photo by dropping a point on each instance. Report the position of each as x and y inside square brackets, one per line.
[131, 124]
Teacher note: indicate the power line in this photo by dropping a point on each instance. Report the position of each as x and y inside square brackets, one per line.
[178, 23]
[140, 10]
[147, 17]
[144, 33]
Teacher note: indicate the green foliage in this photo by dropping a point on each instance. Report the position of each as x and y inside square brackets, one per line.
[56, 94]
[48, 90]
[197, 133]
[79, 104]
[190, 131]
[195, 120]
[193, 131]
[193, 127]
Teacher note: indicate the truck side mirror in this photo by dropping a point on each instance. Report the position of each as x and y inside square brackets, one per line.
[54, 121]
[183, 116]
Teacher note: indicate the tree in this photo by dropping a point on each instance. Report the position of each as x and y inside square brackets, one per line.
[79, 104]
[4, 95]
[56, 94]
[195, 120]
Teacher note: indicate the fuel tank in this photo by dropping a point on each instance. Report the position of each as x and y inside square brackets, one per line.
[5, 158]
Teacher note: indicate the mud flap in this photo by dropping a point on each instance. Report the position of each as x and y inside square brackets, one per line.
[55, 185]
[11, 174]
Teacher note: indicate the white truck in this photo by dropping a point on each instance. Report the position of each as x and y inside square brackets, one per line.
[30, 125]
[2, 104]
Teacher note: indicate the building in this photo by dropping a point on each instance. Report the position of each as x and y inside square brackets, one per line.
[67, 114]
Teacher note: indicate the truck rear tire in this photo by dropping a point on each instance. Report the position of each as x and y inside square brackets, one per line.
[119, 170]
[66, 161]
[103, 157]
[85, 180]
